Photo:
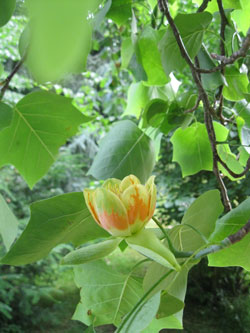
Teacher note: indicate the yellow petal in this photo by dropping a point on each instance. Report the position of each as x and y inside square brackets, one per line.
[136, 200]
[150, 185]
[111, 212]
[89, 200]
[112, 184]
[128, 181]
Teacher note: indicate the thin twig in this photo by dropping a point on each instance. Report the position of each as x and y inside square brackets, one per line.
[194, 107]
[8, 79]
[233, 174]
[228, 241]
[163, 5]
[203, 6]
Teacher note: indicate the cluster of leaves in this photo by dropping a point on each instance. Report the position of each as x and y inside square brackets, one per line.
[55, 44]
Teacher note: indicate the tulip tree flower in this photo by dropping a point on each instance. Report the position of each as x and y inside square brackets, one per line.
[123, 208]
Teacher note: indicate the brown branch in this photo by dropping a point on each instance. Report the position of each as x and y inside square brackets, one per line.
[163, 5]
[8, 79]
[240, 234]
[194, 107]
[203, 6]
[241, 53]
[233, 174]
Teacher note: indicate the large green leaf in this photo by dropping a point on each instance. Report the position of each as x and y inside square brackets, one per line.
[138, 97]
[125, 150]
[142, 317]
[60, 39]
[237, 84]
[191, 147]
[237, 254]
[198, 222]
[42, 122]
[171, 322]
[7, 8]
[6, 115]
[213, 80]
[61, 219]
[241, 16]
[192, 28]
[151, 58]
[106, 294]
[8, 224]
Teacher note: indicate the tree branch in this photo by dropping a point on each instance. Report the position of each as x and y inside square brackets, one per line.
[228, 241]
[194, 107]
[8, 79]
[163, 5]
[233, 174]
[203, 6]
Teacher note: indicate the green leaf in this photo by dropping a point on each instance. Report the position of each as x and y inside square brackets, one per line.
[169, 305]
[191, 147]
[127, 51]
[237, 84]
[241, 16]
[7, 8]
[192, 28]
[243, 123]
[106, 294]
[237, 254]
[155, 112]
[6, 115]
[231, 160]
[8, 224]
[138, 97]
[60, 39]
[42, 122]
[61, 219]
[171, 322]
[147, 243]
[175, 284]
[120, 11]
[90, 329]
[91, 252]
[133, 153]
[213, 6]
[201, 216]
[142, 317]
[150, 57]
[210, 81]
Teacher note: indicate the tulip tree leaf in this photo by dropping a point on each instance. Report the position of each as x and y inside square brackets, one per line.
[237, 84]
[192, 28]
[120, 11]
[208, 208]
[8, 224]
[60, 39]
[124, 150]
[107, 295]
[151, 58]
[42, 122]
[6, 115]
[7, 8]
[142, 316]
[171, 322]
[191, 147]
[241, 16]
[243, 123]
[237, 254]
[61, 219]
[213, 80]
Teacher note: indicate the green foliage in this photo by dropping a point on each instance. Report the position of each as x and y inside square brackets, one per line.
[31, 145]
[146, 55]
[133, 153]
[66, 219]
[7, 8]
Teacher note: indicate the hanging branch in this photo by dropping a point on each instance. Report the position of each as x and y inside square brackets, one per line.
[203, 6]
[163, 5]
